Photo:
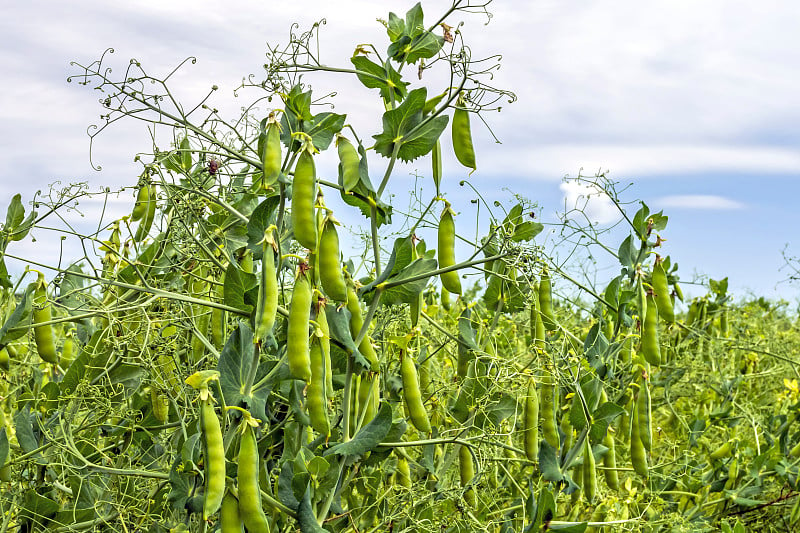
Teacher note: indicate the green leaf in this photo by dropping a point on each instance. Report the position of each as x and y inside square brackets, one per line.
[23, 424]
[408, 291]
[4, 448]
[20, 316]
[403, 125]
[387, 79]
[368, 437]
[237, 284]
[414, 25]
[423, 46]
[305, 516]
[548, 463]
[5, 279]
[298, 103]
[364, 195]
[261, 218]
[602, 418]
[395, 27]
[323, 127]
[15, 214]
[339, 324]
[627, 252]
[37, 509]
[234, 366]
[545, 509]
[640, 221]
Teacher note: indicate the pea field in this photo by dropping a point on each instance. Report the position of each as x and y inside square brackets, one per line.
[232, 356]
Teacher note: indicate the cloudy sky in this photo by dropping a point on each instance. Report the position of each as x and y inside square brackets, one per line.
[695, 104]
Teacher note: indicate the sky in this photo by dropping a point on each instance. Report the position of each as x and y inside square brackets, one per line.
[693, 107]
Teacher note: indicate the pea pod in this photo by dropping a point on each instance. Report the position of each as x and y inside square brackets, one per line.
[650, 344]
[412, 395]
[537, 324]
[150, 214]
[330, 270]
[316, 399]
[267, 306]
[43, 334]
[303, 195]
[546, 300]
[589, 472]
[160, 404]
[349, 163]
[214, 452]
[638, 453]
[530, 423]
[250, 510]
[218, 317]
[662, 293]
[447, 255]
[403, 473]
[644, 412]
[610, 457]
[325, 341]
[271, 153]
[466, 470]
[229, 519]
[356, 323]
[436, 164]
[462, 137]
[142, 202]
[297, 349]
[547, 403]
[5, 359]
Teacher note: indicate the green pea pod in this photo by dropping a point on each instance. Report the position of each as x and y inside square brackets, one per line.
[142, 203]
[547, 403]
[651, 350]
[316, 399]
[644, 412]
[303, 196]
[662, 294]
[466, 470]
[537, 324]
[250, 510]
[330, 270]
[447, 246]
[297, 349]
[436, 163]
[149, 216]
[229, 519]
[530, 422]
[160, 404]
[214, 456]
[271, 158]
[267, 306]
[218, 317]
[43, 334]
[546, 300]
[416, 303]
[349, 174]
[356, 322]
[589, 472]
[325, 342]
[412, 395]
[723, 322]
[403, 473]
[638, 453]
[462, 137]
[445, 300]
[368, 397]
[610, 457]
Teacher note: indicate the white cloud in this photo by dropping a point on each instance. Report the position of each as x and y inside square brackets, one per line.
[588, 201]
[698, 201]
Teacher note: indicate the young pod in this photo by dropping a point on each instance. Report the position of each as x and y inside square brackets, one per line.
[43, 333]
[403, 473]
[462, 137]
[316, 397]
[297, 348]
[271, 153]
[267, 306]
[547, 408]
[412, 396]
[651, 350]
[330, 269]
[349, 163]
[530, 422]
[356, 323]
[638, 453]
[229, 519]
[304, 188]
[214, 455]
[537, 324]
[589, 472]
[447, 247]
[662, 293]
[142, 203]
[250, 510]
[466, 470]
[325, 341]
[644, 413]
[546, 300]
[149, 215]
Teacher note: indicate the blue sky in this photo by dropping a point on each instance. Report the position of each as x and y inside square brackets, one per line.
[697, 104]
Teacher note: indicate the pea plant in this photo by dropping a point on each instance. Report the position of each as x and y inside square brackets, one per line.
[215, 362]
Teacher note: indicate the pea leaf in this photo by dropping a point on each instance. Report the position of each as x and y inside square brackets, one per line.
[548, 463]
[260, 219]
[363, 195]
[3, 446]
[305, 516]
[404, 125]
[368, 437]
[23, 423]
[602, 418]
[234, 366]
[408, 291]
[237, 284]
[385, 78]
[37, 509]
[323, 127]
[339, 324]
[15, 213]
[20, 316]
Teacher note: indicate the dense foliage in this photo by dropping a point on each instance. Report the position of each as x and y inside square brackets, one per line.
[212, 362]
